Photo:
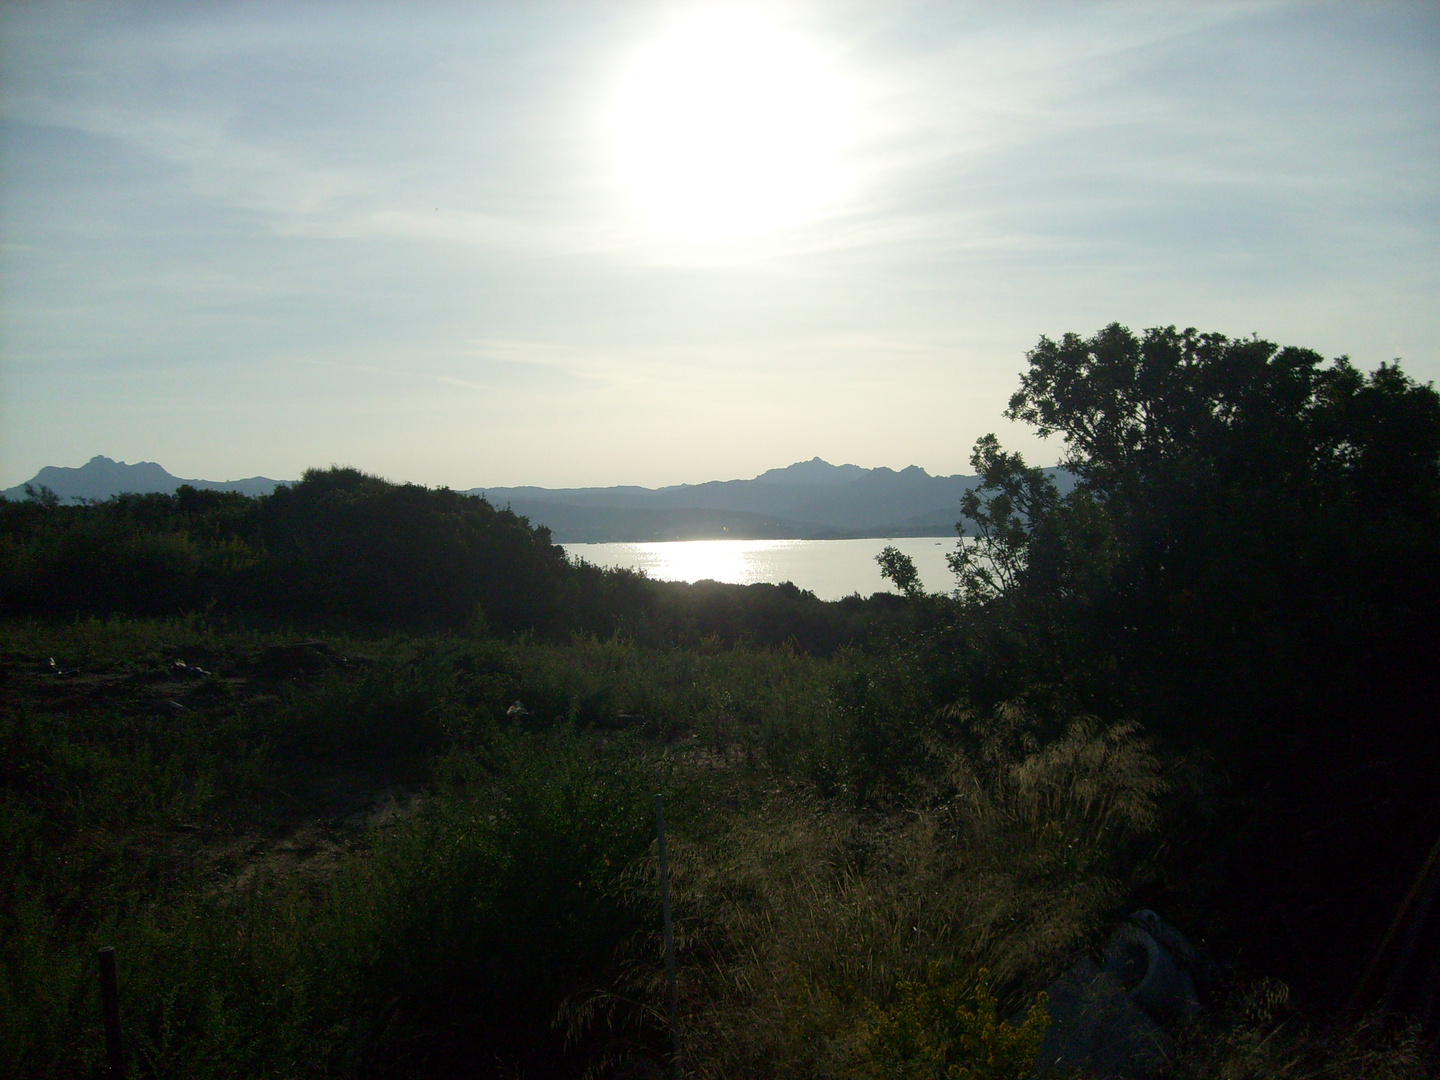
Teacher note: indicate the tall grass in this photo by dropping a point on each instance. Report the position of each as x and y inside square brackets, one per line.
[804, 914]
[444, 942]
[834, 845]
[1254, 1033]
[422, 948]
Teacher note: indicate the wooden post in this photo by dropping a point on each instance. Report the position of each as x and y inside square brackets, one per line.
[1429, 875]
[110, 1008]
[670, 994]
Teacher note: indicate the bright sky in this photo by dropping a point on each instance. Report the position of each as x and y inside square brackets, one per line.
[652, 243]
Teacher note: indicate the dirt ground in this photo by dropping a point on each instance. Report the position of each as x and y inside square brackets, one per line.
[305, 834]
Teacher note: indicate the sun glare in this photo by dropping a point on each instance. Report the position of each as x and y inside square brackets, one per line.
[727, 126]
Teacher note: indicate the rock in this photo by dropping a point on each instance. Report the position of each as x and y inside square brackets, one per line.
[1150, 974]
[1096, 1027]
[1106, 1021]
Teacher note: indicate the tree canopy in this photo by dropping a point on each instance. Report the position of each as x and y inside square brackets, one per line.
[1230, 495]
[1249, 562]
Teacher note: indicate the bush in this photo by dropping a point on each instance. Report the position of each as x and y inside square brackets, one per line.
[389, 716]
[945, 1030]
[794, 913]
[501, 898]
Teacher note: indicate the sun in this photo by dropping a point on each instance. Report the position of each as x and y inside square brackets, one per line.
[728, 125]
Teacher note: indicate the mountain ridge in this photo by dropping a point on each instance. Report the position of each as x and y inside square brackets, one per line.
[807, 500]
[101, 477]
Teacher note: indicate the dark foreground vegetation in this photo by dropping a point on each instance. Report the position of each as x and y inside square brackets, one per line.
[358, 778]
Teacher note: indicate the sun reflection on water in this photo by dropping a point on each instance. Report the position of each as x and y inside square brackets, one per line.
[742, 561]
[829, 568]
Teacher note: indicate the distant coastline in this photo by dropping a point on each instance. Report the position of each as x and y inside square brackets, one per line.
[809, 500]
[102, 478]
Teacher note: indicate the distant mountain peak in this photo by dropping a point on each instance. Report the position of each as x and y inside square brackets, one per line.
[815, 471]
[101, 477]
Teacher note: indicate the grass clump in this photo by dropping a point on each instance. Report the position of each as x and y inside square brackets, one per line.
[945, 1030]
[1255, 1032]
[802, 915]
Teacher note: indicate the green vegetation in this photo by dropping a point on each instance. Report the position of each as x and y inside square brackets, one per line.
[1247, 564]
[936, 1029]
[342, 551]
[357, 778]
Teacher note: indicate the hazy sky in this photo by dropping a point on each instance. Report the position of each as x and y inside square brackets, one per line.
[653, 243]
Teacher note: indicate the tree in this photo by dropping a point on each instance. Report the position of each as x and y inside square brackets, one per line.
[1215, 478]
[346, 545]
[1250, 560]
[42, 497]
[899, 568]
[1010, 503]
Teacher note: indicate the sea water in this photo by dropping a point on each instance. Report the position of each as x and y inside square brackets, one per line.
[828, 568]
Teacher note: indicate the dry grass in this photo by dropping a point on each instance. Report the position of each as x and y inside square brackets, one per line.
[1256, 1036]
[802, 916]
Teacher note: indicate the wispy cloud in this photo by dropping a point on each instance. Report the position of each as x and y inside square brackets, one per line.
[410, 214]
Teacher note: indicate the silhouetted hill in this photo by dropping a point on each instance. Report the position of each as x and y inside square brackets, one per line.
[102, 477]
[815, 471]
[808, 500]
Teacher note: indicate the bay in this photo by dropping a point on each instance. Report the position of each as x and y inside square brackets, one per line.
[830, 569]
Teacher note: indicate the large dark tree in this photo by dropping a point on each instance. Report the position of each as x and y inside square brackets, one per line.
[339, 548]
[1250, 561]
[355, 547]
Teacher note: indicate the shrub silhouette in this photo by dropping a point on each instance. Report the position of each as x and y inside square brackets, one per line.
[942, 1029]
[354, 547]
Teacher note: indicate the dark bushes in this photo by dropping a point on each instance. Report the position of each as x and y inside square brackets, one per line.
[353, 547]
[339, 548]
[344, 550]
[1248, 562]
[501, 899]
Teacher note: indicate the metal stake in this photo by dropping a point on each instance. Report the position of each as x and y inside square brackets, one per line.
[110, 1008]
[671, 997]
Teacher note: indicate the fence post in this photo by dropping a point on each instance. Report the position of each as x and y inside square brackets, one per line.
[671, 997]
[110, 1008]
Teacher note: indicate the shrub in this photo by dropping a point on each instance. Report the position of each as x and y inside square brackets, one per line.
[945, 1030]
[797, 913]
[500, 898]
[391, 715]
